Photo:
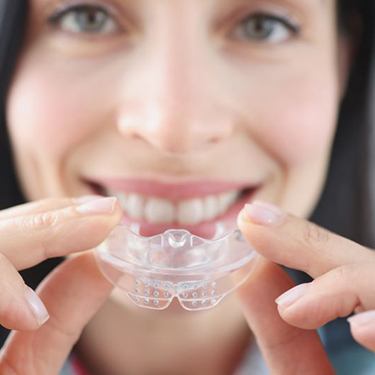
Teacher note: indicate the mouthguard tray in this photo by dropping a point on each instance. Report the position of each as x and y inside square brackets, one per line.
[154, 270]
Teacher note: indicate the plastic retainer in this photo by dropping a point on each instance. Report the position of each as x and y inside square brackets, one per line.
[176, 264]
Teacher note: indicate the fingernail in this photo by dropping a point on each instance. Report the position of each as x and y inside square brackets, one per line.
[263, 213]
[362, 319]
[292, 295]
[36, 305]
[98, 206]
[86, 198]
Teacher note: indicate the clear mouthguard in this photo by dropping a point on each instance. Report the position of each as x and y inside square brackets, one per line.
[154, 270]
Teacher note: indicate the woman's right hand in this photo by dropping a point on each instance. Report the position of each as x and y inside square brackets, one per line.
[71, 294]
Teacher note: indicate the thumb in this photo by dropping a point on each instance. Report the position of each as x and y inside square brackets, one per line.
[362, 327]
[286, 349]
[72, 293]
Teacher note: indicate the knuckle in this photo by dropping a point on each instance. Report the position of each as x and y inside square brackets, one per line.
[279, 344]
[41, 221]
[64, 333]
[314, 234]
[345, 273]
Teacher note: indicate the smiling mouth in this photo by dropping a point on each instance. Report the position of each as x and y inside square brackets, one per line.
[149, 202]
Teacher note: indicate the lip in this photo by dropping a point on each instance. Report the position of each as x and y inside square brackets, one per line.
[170, 191]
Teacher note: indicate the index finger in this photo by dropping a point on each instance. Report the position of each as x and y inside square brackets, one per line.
[30, 239]
[72, 293]
[297, 243]
[39, 206]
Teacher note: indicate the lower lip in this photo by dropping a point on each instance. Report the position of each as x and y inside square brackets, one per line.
[205, 229]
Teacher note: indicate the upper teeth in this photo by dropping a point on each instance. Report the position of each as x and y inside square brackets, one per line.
[190, 211]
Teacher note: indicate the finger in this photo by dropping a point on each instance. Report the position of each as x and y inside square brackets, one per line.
[44, 205]
[362, 327]
[297, 243]
[72, 293]
[20, 307]
[30, 239]
[335, 294]
[279, 342]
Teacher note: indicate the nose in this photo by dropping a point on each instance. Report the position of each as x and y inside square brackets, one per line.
[173, 103]
[181, 127]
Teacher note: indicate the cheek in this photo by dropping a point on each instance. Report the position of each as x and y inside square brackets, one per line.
[300, 125]
[295, 119]
[45, 112]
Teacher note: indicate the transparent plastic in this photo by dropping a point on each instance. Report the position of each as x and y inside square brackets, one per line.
[154, 270]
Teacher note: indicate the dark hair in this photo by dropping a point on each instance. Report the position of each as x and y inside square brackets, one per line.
[347, 204]
[12, 27]
[13, 22]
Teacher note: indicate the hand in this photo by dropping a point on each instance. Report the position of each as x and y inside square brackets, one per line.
[344, 273]
[72, 293]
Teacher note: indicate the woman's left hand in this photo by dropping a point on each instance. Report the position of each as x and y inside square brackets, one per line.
[344, 282]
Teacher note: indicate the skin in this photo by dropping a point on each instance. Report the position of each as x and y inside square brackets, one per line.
[343, 274]
[209, 91]
[55, 92]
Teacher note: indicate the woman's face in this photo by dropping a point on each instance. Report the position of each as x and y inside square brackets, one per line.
[184, 109]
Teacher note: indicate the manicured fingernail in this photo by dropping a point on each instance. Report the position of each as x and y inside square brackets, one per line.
[292, 295]
[362, 319]
[36, 305]
[86, 198]
[98, 206]
[263, 213]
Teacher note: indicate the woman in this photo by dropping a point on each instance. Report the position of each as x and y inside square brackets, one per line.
[184, 111]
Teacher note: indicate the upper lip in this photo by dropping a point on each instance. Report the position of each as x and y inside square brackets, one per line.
[168, 190]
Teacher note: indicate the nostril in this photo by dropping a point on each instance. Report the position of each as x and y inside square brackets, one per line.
[215, 140]
[129, 131]
[176, 132]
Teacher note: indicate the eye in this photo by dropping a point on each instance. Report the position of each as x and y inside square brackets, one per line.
[265, 28]
[86, 19]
